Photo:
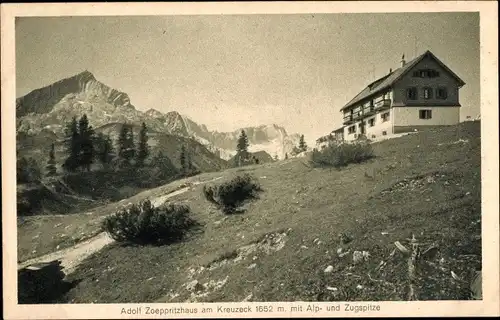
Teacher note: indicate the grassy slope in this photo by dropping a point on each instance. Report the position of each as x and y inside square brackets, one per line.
[309, 204]
[42, 234]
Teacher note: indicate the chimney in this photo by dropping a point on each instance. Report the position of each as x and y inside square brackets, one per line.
[403, 61]
[390, 70]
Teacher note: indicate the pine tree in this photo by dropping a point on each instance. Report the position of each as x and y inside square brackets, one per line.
[73, 146]
[51, 163]
[286, 156]
[162, 166]
[122, 141]
[189, 162]
[302, 144]
[130, 152]
[126, 149]
[86, 133]
[143, 148]
[104, 152]
[241, 148]
[183, 160]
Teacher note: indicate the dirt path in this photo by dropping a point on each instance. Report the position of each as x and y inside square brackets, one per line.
[73, 256]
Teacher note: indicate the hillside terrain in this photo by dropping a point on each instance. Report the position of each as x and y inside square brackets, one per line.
[287, 245]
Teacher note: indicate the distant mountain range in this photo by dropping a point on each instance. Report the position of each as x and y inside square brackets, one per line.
[47, 109]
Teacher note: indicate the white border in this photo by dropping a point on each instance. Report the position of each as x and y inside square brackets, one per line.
[489, 153]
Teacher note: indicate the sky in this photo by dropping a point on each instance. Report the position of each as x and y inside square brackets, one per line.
[233, 71]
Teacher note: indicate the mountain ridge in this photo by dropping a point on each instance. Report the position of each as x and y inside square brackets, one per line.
[49, 107]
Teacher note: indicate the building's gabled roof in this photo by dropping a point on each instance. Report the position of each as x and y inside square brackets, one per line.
[388, 80]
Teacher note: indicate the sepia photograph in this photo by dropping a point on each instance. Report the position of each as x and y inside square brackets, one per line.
[212, 158]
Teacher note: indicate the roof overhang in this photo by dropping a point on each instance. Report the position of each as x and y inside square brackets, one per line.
[407, 68]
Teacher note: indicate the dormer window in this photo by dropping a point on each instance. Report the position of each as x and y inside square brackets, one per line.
[425, 73]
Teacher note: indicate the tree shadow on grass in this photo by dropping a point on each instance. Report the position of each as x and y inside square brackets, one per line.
[43, 283]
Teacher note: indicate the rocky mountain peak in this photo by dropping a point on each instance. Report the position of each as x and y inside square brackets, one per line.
[80, 87]
[175, 123]
[50, 107]
[86, 75]
[154, 113]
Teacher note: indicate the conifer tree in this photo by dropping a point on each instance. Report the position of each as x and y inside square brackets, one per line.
[302, 144]
[143, 148]
[104, 152]
[126, 148]
[73, 146]
[241, 148]
[86, 133]
[130, 152]
[122, 141]
[183, 160]
[189, 162]
[286, 156]
[163, 166]
[51, 163]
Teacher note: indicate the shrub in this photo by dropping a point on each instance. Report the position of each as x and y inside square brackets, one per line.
[339, 155]
[145, 224]
[232, 194]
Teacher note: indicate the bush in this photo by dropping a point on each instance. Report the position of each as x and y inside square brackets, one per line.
[145, 224]
[339, 155]
[231, 195]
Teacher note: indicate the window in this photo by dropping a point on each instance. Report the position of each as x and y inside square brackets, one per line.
[427, 93]
[425, 73]
[425, 114]
[351, 129]
[371, 122]
[384, 133]
[385, 116]
[411, 93]
[442, 93]
[373, 136]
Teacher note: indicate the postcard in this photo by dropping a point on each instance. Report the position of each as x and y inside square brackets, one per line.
[250, 159]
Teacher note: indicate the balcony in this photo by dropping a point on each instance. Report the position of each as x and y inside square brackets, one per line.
[368, 111]
[349, 119]
[353, 117]
[383, 104]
